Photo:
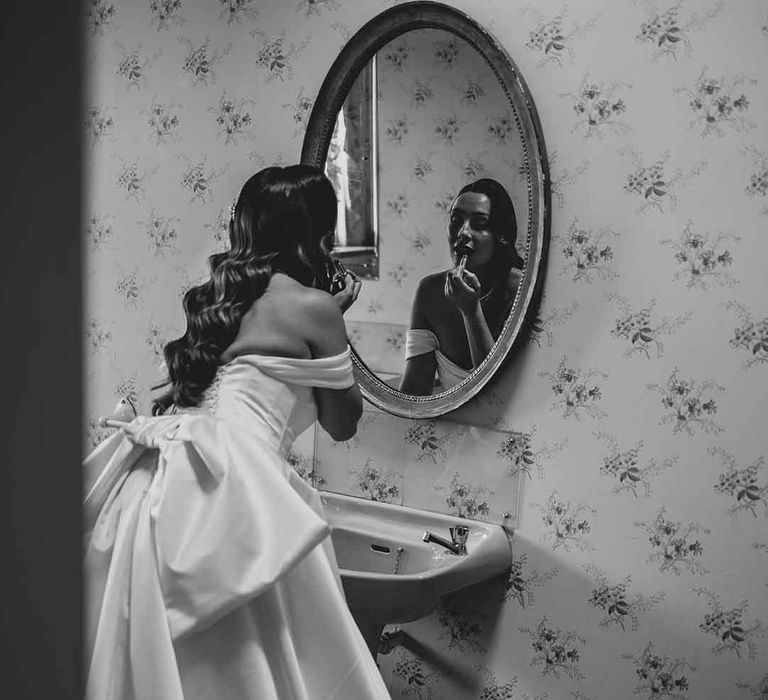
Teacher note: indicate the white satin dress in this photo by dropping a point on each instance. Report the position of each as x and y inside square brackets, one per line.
[209, 571]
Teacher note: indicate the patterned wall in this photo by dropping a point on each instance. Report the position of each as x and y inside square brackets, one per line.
[636, 411]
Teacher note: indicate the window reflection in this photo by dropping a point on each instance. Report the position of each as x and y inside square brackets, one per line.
[337, 169]
[351, 165]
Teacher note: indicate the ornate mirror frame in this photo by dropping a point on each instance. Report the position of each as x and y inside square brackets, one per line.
[353, 57]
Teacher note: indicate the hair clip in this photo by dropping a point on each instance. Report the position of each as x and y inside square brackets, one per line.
[232, 211]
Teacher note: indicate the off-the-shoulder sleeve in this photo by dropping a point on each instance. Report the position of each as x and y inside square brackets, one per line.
[419, 341]
[334, 372]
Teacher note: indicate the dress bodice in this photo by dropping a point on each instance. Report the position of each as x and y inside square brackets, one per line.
[273, 395]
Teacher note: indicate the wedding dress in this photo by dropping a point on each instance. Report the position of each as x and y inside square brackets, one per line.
[209, 570]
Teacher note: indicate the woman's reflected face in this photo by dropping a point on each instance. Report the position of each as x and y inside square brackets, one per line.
[469, 231]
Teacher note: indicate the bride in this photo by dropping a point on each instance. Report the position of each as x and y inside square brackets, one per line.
[458, 314]
[208, 567]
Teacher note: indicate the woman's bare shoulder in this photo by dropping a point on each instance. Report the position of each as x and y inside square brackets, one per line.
[428, 300]
[317, 303]
[432, 284]
[509, 291]
[514, 278]
[288, 299]
[434, 278]
[288, 319]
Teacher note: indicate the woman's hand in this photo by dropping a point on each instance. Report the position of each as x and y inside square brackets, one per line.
[462, 288]
[347, 296]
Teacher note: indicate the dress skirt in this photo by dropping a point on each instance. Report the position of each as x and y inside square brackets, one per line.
[210, 573]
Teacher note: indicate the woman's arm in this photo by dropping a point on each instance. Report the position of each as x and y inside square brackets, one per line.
[463, 289]
[419, 376]
[338, 410]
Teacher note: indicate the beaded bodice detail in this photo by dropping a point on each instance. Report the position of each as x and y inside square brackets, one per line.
[274, 395]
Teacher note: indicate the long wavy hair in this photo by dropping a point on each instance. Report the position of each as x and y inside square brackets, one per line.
[283, 221]
[503, 226]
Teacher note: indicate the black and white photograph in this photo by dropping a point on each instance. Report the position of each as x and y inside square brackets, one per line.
[370, 349]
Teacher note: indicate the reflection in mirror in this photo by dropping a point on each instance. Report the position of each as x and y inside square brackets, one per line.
[457, 315]
[351, 166]
[449, 255]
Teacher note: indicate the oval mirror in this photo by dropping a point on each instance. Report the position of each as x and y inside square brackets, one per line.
[420, 103]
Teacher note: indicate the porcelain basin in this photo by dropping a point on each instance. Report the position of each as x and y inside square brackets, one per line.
[390, 575]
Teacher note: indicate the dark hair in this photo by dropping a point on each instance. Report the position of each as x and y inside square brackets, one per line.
[283, 222]
[503, 226]
[503, 222]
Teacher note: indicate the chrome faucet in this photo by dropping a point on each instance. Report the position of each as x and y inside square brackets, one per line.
[458, 543]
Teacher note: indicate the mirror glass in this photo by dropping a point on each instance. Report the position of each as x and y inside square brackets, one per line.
[431, 138]
[424, 118]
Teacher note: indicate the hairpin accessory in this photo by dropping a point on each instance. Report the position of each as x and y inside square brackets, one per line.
[232, 211]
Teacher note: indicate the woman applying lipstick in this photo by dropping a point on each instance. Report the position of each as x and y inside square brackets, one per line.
[458, 314]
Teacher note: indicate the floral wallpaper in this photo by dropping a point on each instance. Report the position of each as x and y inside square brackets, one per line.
[627, 438]
[467, 471]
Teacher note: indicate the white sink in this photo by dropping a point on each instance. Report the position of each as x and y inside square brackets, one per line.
[387, 586]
